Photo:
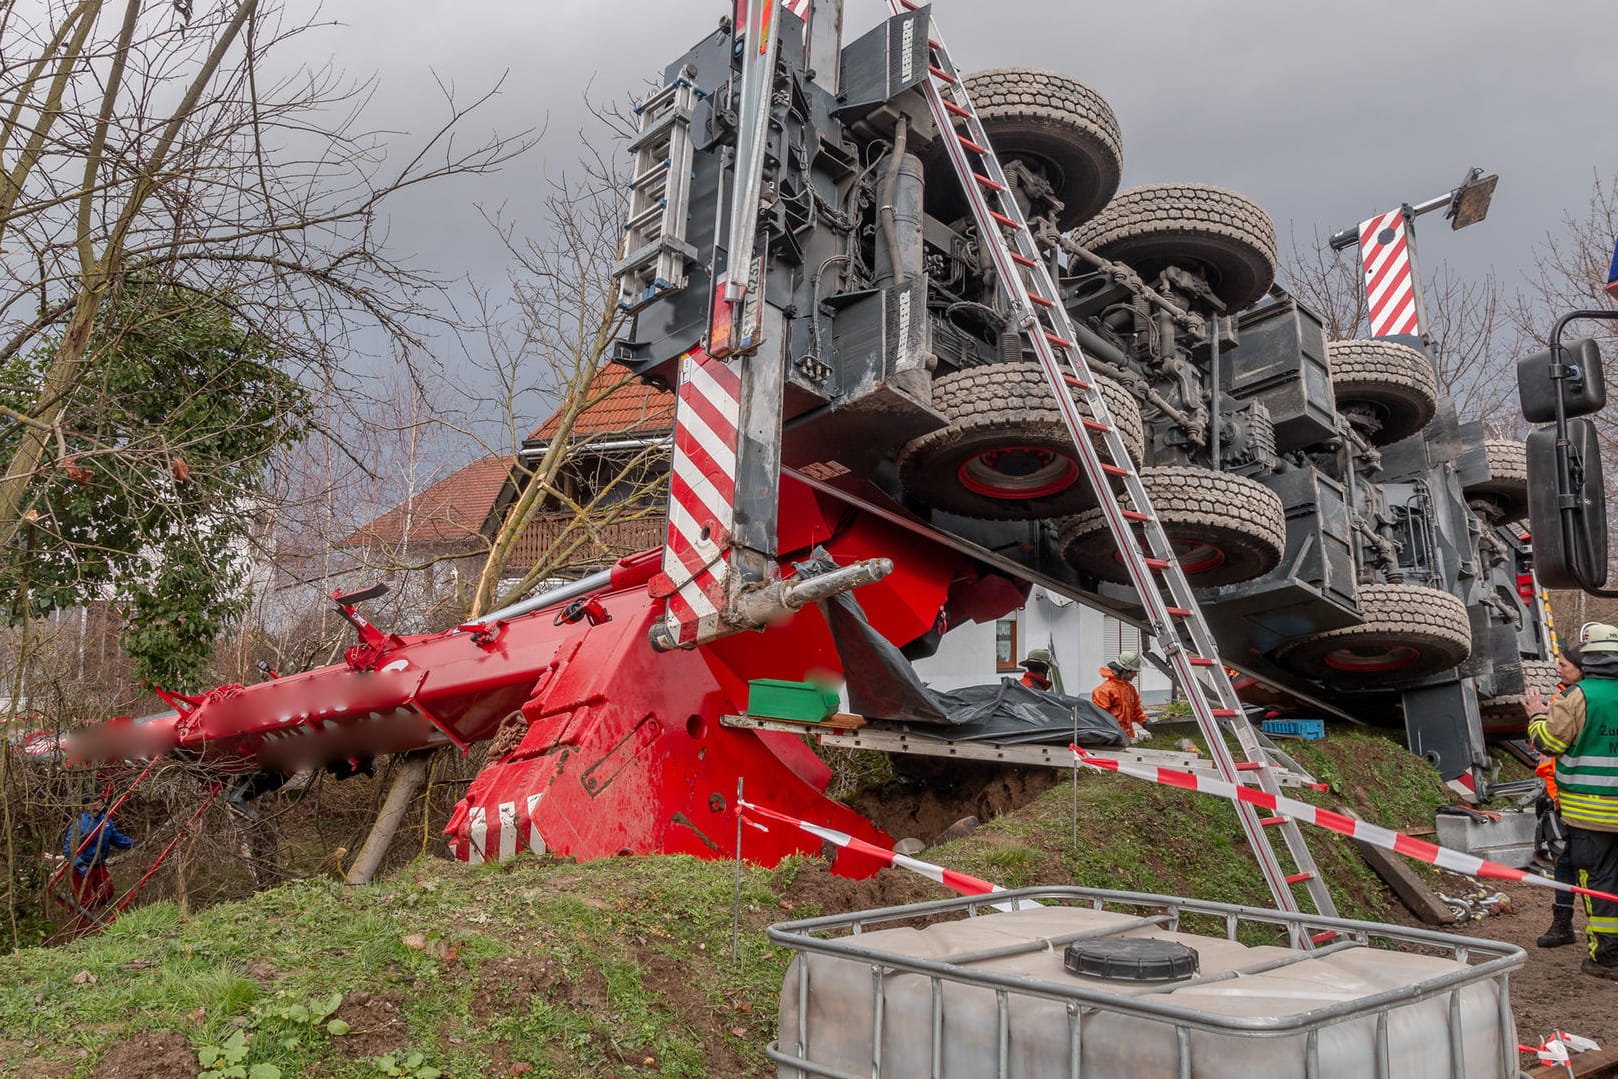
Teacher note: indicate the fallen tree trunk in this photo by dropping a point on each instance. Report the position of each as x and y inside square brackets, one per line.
[408, 779]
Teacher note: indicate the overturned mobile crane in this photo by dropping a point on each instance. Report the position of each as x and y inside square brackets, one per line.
[865, 374]
[1349, 539]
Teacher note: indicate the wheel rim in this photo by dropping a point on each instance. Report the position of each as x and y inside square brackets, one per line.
[1195, 556]
[1372, 657]
[1018, 472]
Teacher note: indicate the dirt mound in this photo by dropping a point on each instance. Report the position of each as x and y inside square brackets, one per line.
[164, 1054]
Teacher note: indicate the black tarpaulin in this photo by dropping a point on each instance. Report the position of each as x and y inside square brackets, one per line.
[882, 686]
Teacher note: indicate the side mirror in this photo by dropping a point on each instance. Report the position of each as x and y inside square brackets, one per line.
[1583, 390]
[1577, 559]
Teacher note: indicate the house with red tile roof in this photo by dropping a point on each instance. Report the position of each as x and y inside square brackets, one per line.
[616, 452]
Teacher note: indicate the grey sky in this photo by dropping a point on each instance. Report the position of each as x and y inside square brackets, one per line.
[1322, 112]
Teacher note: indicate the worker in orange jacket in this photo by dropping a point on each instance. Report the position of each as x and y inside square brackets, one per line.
[1117, 694]
[1038, 665]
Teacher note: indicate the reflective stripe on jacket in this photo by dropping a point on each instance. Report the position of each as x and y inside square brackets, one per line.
[1581, 732]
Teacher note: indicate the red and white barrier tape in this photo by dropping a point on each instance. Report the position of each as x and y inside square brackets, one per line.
[1557, 1049]
[960, 882]
[1431, 853]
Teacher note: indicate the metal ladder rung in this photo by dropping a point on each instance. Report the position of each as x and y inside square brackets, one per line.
[1040, 300]
[1004, 221]
[941, 75]
[1113, 470]
[652, 137]
[984, 181]
[1299, 878]
[646, 216]
[1096, 425]
[659, 97]
[657, 171]
[1059, 342]
[1203, 661]
[1271, 822]
[969, 144]
[1023, 260]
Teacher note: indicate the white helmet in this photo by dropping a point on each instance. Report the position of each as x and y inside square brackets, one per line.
[1130, 661]
[1598, 637]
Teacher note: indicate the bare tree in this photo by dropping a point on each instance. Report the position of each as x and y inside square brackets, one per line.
[153, 145]
[1570, 269]
[172, 150]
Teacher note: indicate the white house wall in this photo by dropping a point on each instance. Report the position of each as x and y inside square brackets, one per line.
[1081, 639]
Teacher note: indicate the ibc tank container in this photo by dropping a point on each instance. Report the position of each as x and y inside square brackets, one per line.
[986, 994]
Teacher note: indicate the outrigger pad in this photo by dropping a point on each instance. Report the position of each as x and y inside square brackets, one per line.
[883, 686]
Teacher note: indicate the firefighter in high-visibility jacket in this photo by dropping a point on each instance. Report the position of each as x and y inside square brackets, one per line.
[1580, 729]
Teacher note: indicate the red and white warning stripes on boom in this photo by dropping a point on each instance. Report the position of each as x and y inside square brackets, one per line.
[1392, 298]
[702, 497]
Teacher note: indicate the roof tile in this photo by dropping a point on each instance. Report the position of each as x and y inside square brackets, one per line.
[622, 405]
[453, 510]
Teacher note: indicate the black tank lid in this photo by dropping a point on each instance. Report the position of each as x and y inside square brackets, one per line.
[1133, 959]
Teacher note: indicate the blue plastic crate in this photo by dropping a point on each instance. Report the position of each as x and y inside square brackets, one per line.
[1312, 729]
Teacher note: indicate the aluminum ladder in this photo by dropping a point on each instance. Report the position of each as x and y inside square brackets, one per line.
[1172, 614]
[655, 253]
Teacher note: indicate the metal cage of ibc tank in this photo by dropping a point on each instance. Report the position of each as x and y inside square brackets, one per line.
[1308, 936]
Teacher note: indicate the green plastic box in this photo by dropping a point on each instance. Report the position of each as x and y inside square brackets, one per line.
[800, 702]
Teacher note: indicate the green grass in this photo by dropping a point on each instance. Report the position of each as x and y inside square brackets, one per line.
[243, 965]
[618, 967]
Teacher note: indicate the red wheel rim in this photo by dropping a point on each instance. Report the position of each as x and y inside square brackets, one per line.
[1197, 556]
[1372, 658]
[1194, 556]
[1017, 472]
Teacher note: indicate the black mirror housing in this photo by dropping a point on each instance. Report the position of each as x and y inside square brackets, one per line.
[1578, 560]
[1584, 391]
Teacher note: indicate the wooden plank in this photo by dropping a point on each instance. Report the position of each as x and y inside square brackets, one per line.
[840, 721]
[1411, 890]
[1601, 1064]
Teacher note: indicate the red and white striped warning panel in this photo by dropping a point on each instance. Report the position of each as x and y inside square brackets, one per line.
[800, 8]
[1374, 834]
[1390, 287]
[510, 832]
[702, 496]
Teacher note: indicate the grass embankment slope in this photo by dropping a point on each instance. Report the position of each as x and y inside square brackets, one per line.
[624, 967]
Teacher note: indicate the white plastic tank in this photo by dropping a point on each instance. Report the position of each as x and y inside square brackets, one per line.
[991, 996]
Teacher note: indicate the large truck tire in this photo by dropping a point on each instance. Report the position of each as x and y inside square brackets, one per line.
[1225, 528]
[1226, 238]
[1508, 713]
[1409, 633]
[1392, 384]
[1007, 455]
[1507, 485]
[1060, 128]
